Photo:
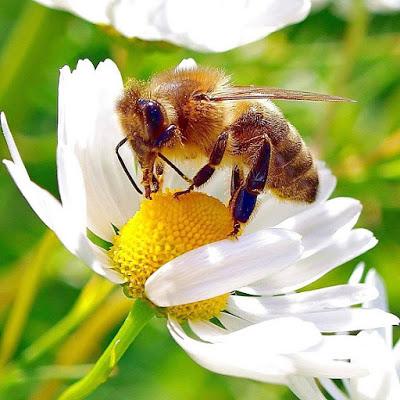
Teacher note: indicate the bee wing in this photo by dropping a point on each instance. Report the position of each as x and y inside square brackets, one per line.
[257, 92]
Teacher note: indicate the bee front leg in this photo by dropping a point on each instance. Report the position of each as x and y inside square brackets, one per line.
[155, 184]
[147, 182]
[243, 202]
[214, 160]
[158, 177]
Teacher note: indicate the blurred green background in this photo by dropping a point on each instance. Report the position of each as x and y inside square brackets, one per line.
[357, 57]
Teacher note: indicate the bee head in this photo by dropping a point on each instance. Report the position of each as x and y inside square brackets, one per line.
[145, 123]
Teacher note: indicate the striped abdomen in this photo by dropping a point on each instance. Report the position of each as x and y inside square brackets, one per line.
[292, 173]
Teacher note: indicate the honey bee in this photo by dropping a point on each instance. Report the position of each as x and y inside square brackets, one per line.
[196, 111]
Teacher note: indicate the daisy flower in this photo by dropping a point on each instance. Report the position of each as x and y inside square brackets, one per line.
[376, 353]
[239, 296]
[208, 25]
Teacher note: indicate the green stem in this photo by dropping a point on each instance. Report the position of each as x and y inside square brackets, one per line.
[140, 314]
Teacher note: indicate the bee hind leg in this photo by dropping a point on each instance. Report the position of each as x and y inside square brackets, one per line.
[243, 201]
[205, 173]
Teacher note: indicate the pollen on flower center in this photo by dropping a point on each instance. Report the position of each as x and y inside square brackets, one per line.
[163, 229]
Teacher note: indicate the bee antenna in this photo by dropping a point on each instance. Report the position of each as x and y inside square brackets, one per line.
[121, 161]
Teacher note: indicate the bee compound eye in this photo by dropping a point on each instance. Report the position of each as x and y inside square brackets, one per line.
[154, 114]
[154, 117]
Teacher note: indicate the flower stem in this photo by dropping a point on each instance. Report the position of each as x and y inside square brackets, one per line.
[140, 314]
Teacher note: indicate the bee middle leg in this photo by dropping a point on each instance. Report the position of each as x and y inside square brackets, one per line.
[243, 201]
[205, 173]
[236, 180]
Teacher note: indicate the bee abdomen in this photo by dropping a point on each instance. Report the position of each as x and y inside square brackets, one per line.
[293, 175]
[303, 189]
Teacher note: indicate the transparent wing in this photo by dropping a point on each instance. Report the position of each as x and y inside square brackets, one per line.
[260, 92]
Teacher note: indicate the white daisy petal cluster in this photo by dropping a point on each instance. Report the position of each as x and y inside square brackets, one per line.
[376, 6]
[376, 353]
[208, 25]
[269, 331]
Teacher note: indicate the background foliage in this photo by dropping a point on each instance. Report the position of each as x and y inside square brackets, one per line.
[357, 56]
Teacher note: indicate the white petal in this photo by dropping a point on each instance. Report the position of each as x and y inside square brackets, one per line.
[273, 211]
[318, 224]
[173, 181]
[44, 204]
[52, 214]
[208, 331]
[279, 335]
[324, 359]
[383, 6]
[146, 20]
[67, 230]
[231, 322]
[223, 266]
[376, 281]
[71, 186]
[218, 186]
[356, 275]
[381, 302]
[382, 382]
[305, 388]
[235, 359]
[89, 128]
[103, 266]
[342, 249]
[338, 347]
[341, 320]
[252, 352]
[396, 355]
[70, 230]
[182, 23]
[317, 365]
[332, 389]
[229, 24]
[327, 182]
[350, 319]
[12, 146]
[186, 64]
[305, 302]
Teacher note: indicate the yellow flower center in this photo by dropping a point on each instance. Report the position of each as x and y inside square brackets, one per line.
[163, 229]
